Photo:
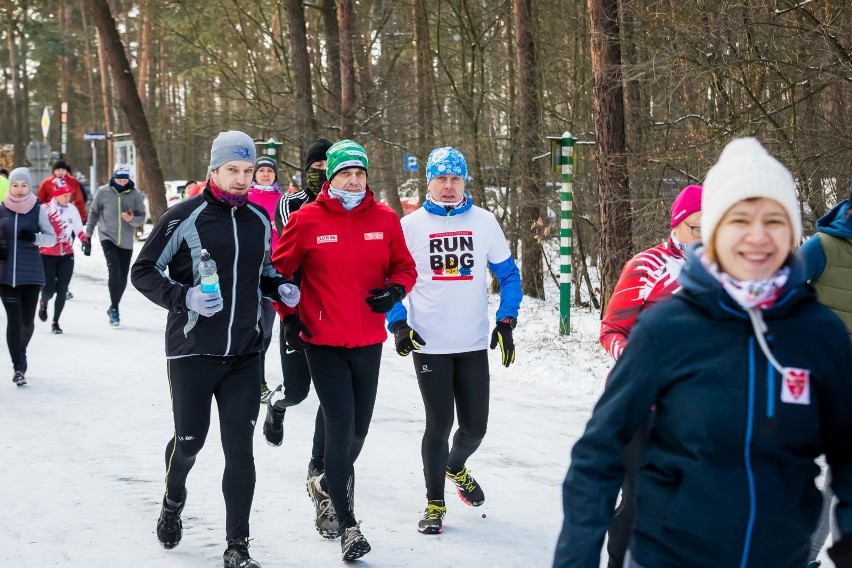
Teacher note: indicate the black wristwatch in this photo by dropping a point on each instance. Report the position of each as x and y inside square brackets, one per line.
[511, 321]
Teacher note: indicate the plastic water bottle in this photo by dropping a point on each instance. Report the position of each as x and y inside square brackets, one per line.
[207, 270]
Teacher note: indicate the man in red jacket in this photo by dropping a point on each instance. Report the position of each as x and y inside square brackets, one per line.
[61, 177]
[355, 267]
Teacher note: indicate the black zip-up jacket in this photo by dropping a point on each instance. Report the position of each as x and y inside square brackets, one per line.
[728, 478]
[237, 238]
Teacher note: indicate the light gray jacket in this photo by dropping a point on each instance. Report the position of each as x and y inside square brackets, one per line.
[106, 215]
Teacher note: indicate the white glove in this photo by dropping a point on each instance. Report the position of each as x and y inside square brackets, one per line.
[205, 303]
[289, 294]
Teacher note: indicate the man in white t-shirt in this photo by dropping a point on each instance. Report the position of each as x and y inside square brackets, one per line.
[452, 242]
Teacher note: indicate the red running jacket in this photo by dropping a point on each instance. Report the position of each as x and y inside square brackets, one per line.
[342, 255]
[647, 278]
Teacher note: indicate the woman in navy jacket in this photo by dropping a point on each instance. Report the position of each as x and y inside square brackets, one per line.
[752, 380]
[24, 227]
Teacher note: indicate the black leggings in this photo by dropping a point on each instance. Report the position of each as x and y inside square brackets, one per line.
[20, 303]
[118, 265]
[346, 380]
[459, 380]
[57, 276]
[621, 525]
[296, 385]
[235, 382]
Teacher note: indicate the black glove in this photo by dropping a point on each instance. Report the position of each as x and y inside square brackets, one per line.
[292, 326]
[406, 339]
[87, 248]
[26, 235]
[383, 299]
[841, 552]
[502, 335]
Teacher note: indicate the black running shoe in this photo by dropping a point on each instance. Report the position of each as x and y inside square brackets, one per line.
[42, 310]
[316, 467]
[273, 426]
[55, 329]
[353, 545]
[19, 379]
[433, 518]
[237, 556]
[169, 525]
[468, 489]
[114, 318]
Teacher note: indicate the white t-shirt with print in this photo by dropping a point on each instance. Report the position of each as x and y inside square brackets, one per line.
[448, 306]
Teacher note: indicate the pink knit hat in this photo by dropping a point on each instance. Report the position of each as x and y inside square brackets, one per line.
[687, 202]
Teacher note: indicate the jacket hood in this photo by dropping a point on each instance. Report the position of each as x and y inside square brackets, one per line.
[702, 289]
[334, 206]
[836, 222]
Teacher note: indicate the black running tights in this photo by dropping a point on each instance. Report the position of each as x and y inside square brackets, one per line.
[345, 380]
[57, 276]
[235, 382]
[118, 265]
[449, 381]
[20, 303]
[296, 383]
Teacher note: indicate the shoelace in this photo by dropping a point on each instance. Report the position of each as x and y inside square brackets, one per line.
[464, 479]
[434, 512]
[326, 509]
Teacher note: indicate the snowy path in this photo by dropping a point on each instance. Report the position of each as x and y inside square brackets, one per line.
[81, 458]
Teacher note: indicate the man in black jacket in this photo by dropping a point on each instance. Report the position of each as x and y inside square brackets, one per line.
[213, 336]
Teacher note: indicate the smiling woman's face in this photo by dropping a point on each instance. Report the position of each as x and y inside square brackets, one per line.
[753, 239]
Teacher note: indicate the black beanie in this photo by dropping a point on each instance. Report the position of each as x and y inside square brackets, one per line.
[266, 162]
[61, 164]
[316, 152]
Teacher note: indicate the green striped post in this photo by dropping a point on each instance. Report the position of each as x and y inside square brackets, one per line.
[566, 198]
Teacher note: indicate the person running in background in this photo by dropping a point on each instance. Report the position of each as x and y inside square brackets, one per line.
[355, 267]
[752, 381]
[446, 325]
[213, 338]
[24, 227]
[828, 266]
[296, 376]
[265, 192]
[62, 176]
[117, 209]
[647, 278]
[58, 259]
[4, 182]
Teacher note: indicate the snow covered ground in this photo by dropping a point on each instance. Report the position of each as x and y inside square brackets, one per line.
[82, 451]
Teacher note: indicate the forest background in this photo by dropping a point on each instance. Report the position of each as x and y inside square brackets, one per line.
[652, 89]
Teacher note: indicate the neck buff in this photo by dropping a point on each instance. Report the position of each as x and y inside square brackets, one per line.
[449, 206]
[228, 198]
[349, 199]
[20, 204]
[677, 243]
[749, 293]
[274, 187]
[314, 180]
[121, 188]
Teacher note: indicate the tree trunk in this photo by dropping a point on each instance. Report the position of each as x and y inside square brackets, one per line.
[532, 224]
[106, 104]
[425, 80]
[131, 105]
[345, 22]
[332, 45]
[608, 105]
[301, 73]
[17, 95]
[145, 52]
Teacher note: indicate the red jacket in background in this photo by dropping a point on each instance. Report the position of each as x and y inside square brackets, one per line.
[45, 193]
[647, 278]
[343, 254]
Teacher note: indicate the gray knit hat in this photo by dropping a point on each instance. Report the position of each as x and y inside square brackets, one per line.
[230, 146]
[21, 174]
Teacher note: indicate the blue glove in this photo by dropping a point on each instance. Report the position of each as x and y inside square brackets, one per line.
[205, 303]
[289, 294]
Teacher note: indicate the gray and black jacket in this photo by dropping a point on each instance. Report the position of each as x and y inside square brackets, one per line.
[105, 213]
[237, 238]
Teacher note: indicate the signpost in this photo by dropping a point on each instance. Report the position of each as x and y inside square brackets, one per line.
[63, 129]
[409, 162]
[45, 123]
[93, 169]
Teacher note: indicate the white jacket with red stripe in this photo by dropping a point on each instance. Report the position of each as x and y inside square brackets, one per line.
[66, 222]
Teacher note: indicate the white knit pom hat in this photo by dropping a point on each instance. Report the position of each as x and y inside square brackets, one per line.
[745, 170]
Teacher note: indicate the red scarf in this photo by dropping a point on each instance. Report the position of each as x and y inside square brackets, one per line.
[230, 199]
